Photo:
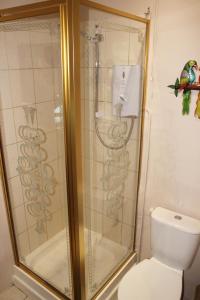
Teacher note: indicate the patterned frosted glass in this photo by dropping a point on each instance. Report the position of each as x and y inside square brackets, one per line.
[31, 108]
[110, 164]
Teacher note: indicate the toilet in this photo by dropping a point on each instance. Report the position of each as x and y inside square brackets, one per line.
[174, 242]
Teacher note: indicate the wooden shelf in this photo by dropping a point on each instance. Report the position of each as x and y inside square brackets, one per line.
[186, 87]
[195, 87]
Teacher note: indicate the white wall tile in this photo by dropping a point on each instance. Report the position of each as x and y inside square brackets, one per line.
[55, 200]
[20, 119]
[88, 117]
[97, 174]
[136, 129]
[101, 84]
[35, 238]
[55, 166]
[135, 49]
[31, 220]
[58, 84]
[97, 147]
[23, 244]
[133, 150]
[117, 46]
[3, 55]
[54, 225]
[51, 146]
[108, 109]
[112, 230]
[8, 126]
[61, 171]
[127, 236]
[41, 48]
[82, 81]
[22, 87]
[19, 219]
[56, 49]
[60, 142]
[95, 219]
[96, 200]
[18, 49]
[129, 210]
[89, 83]
[108, 84]
[11, 156]
[63, 198]
[46, 116]
[146, 238]
[5, 92]
[15, 191]
[44, 84]
[112, 210]
[131, 184]
[138, 238]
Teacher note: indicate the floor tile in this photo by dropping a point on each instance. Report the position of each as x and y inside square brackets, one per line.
[12, 294]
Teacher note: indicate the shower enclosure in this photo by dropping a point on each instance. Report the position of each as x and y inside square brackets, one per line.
[73, 84]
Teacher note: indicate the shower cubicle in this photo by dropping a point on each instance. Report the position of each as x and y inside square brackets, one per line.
[72, 97]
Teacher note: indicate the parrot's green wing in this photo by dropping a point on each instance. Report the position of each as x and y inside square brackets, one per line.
[186, 102]
[184, 79]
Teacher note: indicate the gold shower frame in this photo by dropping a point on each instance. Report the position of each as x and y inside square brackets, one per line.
[69, 11]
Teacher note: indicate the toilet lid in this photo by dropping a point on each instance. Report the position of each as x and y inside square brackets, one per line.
[151, 280]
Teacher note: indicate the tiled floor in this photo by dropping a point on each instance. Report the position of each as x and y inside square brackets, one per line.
[13, 294]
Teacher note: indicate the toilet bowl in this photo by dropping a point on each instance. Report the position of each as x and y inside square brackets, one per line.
[151, 280]
[174, 241]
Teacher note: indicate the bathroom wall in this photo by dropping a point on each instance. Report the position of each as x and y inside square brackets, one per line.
[173, 159]
[173, 175]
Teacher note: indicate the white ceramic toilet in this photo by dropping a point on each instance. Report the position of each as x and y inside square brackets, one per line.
[174, 241]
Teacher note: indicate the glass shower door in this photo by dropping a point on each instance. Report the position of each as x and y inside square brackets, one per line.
[112, 63]
[33, 144]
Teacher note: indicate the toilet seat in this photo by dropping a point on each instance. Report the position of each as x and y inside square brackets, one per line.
[151, 280]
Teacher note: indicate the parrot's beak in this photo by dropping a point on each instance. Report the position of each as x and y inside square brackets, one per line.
[196, 67]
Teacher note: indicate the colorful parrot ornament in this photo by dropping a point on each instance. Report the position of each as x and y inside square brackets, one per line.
[187, 83]
[188, 76]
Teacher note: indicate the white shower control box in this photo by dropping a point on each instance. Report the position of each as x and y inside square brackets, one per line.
[126, 90]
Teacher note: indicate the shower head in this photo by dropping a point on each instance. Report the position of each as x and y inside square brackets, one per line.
[98, 37]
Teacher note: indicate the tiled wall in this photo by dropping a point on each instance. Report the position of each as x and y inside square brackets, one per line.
[119, 47]
[30, 76]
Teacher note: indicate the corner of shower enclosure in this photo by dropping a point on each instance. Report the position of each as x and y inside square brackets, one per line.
[73, 85]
